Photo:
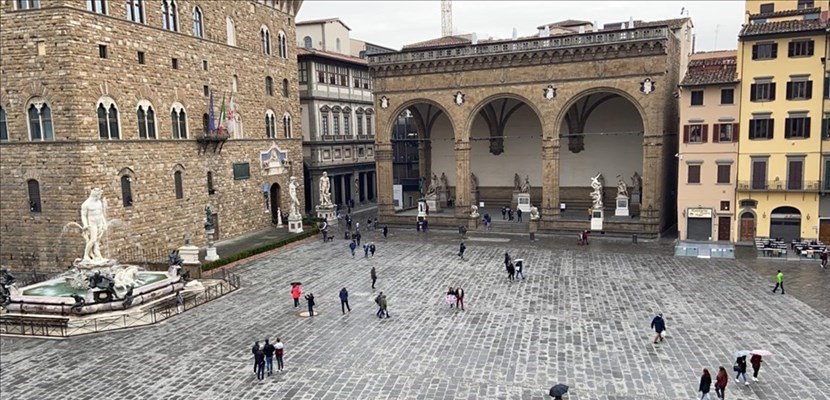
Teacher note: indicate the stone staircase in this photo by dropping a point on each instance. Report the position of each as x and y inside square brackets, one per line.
[502, 226]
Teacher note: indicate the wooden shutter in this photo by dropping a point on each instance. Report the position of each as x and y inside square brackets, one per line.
[809, 91]
[752, 94]
[759, 174]
[787, 128]
[789, 90]
[735, 132]
[791, 49]
[685, 133]
[771, 127]
[704, 132]
[772, 91]
[774, 50]
[752, 129]
[806, 127]
[795, 175]
[754, 51]
[810, 47]
[715, 133]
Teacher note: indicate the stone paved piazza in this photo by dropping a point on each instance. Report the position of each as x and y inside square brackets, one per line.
[581, 318]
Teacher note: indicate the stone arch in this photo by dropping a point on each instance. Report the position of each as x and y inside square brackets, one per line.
[386, 129]
[35, 90]
[104, 90]
[595, 90]
[468, 123]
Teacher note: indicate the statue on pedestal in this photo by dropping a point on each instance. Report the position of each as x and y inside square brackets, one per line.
[94, 224]
[534, 213]
[622, 188]
[636, 183]
[474, 211]
[596, 194]
[295, 201]
[432, 191]
[325, 190]
[473, 182]
[444, 182]
[517, 183]
[525, 188]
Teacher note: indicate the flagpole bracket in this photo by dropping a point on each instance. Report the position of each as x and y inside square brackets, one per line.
[212, 141]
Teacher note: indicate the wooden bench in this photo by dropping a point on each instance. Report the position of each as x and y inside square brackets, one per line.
[36, 326]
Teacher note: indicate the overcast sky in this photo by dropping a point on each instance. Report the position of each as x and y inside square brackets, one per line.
[395, 23]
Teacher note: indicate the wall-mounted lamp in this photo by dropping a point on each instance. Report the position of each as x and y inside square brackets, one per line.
[764, 215]
[808, 217]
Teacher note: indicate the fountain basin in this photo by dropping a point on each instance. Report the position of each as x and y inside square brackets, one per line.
[55, 295]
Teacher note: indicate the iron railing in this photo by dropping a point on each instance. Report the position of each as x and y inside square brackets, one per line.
[554, 42]
[780, 186]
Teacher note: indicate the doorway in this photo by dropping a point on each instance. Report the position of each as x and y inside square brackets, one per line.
[275, 201]
[747, 227]
[724, 228]
[785, 223]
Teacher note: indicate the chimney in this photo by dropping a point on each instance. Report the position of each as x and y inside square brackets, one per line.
[474, 39]
[630, 22]
[515, 34]
[582, 29]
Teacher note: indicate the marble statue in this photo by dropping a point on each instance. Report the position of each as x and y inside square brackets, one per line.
[94, 225]
[525, 188]
[356, 193]
[325, 189]
[534, 213]
[596, 194]
[128, 298]
[79, 303]
[622, 188]
[444, 182]
[295, 201]
[473, 182]
[517, 182]
[473, 211]
[421, 181]
[6, 283]
[127, 277]
[433, 186]
[208, 218]
[636, 183]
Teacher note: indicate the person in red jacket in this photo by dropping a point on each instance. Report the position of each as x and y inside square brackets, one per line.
[720, 383]
[296, 291]
[756, 361]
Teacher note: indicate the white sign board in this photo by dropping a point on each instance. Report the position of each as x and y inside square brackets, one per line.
[397, 197]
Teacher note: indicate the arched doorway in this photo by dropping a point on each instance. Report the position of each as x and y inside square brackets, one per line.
[505, 152]
[422, 143]
[747, 227]
[785, 224]
[601, 133]
[274, 194]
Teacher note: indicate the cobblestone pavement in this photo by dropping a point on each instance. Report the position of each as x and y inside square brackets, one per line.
[581, 318]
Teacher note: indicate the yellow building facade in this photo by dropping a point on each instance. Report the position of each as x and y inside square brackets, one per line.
[781, 64]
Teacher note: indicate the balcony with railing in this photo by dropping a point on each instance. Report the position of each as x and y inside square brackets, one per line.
[781, 186]
[542, 43]
[345, 138]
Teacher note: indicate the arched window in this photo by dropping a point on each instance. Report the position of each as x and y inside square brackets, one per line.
[178, 118]
[26, 4]
[107, 119]
[4, 129]
[337, 44]
[283, 45]
[335, 121]
[369, 123]
[33, 188]
[286, 125]
[270, 125]
[135, 11]
[347, 123]
[307, 43]
[269, 86]
[126, 190]
[40, 121]
[265, 39]
[169, 15]
[146, 120]
[179, 184]
[211, 189]
[285, 88]
[231, 31]
[206, 123]
[234, 84]
[97, 6]
[198, 28]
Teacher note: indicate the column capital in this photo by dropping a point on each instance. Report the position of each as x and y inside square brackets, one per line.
[462, 146]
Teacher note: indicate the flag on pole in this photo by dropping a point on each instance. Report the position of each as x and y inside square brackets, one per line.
[231, 116]
[211, 123]
[222, 114]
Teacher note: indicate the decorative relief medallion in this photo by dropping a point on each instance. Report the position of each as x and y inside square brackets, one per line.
[384, 102]
[647, 86]
[550, 92]
[459, 98]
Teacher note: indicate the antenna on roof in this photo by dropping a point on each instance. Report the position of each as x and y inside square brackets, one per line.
[515, 34]
[446, 18]
[474, 38]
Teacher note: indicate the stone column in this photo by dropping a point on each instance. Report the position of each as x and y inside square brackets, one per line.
[653, 177]
[315, 194]
[338, 189]
[364, 187]
[347, 188]
[550, 178]
[383, 158]
[462, 179]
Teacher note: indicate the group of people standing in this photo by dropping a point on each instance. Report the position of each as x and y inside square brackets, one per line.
[514, 267]
[722, 378]
[264, 357]
[455, 298]
[507, 214]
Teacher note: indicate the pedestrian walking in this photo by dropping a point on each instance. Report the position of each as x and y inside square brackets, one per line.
[374, 276]
[511, 271]
[506, 259]
[509, 214]
[352, 246]
[461, 250]
[385, 230]
[823, 258]
[344, 301]
[384, 305]
[357, 235]
[705, 385]
[253, 351]
[310, 299]
[720, 383]
[296, 292]
[259, 359]
[365, 250]
[518, 215]
[504, 213]
[459, 298]
[357, 228]
[659, 325]
[451, 298]
[278, 352]
[379, 314]
[269, 350]
[349, 222]
[779, 282]
[755, 361]
[519, 268]
[372, 248]
[740, 368]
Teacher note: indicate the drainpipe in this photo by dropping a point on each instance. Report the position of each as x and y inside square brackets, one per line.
[324, 35]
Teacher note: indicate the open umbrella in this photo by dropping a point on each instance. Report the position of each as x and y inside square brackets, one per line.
[558, 390]
[295, 283]
[762, 353]
[741, 353]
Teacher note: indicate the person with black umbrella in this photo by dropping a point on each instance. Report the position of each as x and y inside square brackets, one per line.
[558, 390]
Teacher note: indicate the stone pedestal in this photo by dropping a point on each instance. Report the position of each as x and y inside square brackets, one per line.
[434, 205]
[442, 198]
[523, 202]
[189, 254]
[597, 217]
[422, 209]
[295, 224]
[328, 213]
[635, 198]
[211, 254]
[473, 221]
[622, 206]
[515, 202]
[533, 227]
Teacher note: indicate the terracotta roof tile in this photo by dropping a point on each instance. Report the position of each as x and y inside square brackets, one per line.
[565, 23]
[786, 13]
[709, 71]
[330, 55]
[438, 42]
[776, 27]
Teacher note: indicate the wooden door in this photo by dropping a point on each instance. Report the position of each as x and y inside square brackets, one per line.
[747, 227]
[724, 228]
[824, 231]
